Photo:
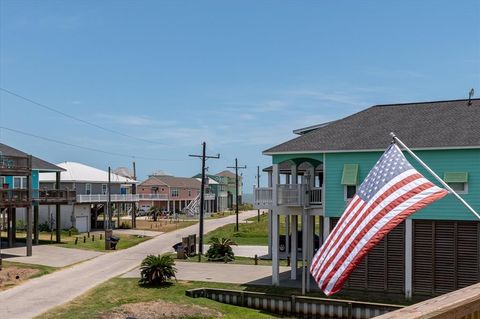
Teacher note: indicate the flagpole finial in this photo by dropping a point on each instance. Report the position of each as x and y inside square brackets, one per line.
[393, 137]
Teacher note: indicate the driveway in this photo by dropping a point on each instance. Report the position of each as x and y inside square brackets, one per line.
[217, 272]
[40, 294]
[49, 255]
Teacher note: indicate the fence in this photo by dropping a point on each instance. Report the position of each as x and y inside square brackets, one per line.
[301, 306]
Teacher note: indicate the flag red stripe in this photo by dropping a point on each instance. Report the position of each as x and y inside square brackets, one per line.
[327, 243]
[371, 224]
[358, 221]
[382, 232]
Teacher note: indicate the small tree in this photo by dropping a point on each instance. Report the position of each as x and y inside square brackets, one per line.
[156, 270]
[220, 249]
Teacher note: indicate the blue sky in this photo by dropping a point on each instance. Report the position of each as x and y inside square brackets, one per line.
[240, 75]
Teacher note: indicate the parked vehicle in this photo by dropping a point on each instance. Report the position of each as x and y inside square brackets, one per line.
[283, 245]
[142, 212]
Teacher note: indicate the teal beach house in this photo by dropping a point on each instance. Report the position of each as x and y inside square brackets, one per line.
[313, 177]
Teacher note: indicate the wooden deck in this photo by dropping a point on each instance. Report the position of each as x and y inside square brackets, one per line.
[459, 304]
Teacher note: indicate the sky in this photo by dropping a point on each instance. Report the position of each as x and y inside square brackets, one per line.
[154, 79]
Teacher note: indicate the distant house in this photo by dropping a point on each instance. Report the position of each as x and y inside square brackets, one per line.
[217, 185]
[91, 187]
[315, 175]
[20, 193]
[231, 187]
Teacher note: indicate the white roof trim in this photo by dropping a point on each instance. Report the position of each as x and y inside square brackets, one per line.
[77, 172]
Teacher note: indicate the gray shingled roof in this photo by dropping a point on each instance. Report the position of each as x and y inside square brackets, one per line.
[37, 163]
[418, 125]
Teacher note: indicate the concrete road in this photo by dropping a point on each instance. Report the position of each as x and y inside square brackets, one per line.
[40, 294]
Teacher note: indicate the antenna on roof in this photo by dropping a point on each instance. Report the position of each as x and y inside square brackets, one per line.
[470, 95]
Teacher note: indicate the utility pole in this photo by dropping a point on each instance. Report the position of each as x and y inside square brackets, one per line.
[202, 196]
[258, 186]
[236, 167]
[134, 192]
[109, 201]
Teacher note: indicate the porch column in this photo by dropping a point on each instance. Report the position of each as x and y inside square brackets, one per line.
[275, 255]
[304, 251]
[287, 235]
[36, 232]
[408, 258]
[310, 247]
[269, 215]
[293, 261]
[275, 227]
[58, 226]
[326, 227]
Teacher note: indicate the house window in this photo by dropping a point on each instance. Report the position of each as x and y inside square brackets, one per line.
[189, 192]
[458, 181]
[3, 180]
[350, 191]
[19, 182]
[88, 189]
[174, 192]
[104, 189]
[350, 180]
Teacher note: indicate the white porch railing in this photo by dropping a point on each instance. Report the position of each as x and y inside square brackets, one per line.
[291, 194]
[263, 196]
[152, 197]
[288, 195]
[102, 198]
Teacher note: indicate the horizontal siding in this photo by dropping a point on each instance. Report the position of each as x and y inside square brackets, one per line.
[449, 208]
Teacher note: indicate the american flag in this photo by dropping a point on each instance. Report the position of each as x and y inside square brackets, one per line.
[392, 191]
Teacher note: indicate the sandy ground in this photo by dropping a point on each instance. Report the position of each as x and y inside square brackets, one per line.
[12, 275]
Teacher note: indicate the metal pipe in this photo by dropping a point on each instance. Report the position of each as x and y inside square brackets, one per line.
[396, 139]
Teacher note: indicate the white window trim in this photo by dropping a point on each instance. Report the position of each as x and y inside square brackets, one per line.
[88, 189]
[345, 192]
[23, 182]
[465, 188]
[106, 189]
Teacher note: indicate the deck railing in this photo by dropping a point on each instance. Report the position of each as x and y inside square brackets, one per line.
[263, 196]
[291, 194]
[153, 197]
[288, 195]
[14, 163]
[103, 198]
[55, 196]
[316, 196]
[14, 196]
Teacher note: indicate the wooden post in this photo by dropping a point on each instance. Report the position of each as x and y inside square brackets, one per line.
[57, 212]
[36, 230]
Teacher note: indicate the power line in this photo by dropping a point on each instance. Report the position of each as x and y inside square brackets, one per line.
[77, 118]
[85, 147]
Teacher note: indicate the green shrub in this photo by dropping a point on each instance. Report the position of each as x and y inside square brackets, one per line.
[44, 227]
[156, 270]
[125, 225]
[220, 250]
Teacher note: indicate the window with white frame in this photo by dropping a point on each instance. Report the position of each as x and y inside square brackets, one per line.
[20, 182]
[458, 181]
[104, 189]
[174, 192]
[88, 189]
[349, 191]
[3, 180]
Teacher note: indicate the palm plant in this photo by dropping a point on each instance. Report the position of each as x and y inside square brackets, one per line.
[156, 270]
[220, 249]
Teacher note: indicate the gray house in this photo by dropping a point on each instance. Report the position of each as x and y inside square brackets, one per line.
[91, 186]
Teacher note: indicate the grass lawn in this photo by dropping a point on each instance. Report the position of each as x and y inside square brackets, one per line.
[27, 271]
[221, 214]
[119, 291]
[239, 260]
[94, 243]
[162, 225]
[91, 243]
[251, 233]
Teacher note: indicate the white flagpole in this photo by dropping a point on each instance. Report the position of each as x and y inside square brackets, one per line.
[396, 139]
